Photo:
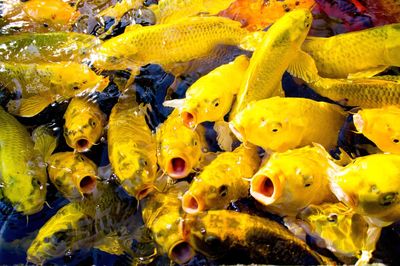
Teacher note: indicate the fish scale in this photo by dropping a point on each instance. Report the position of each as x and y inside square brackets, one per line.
[349, 53]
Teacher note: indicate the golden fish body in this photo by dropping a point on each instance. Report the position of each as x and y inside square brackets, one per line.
[211, 96]
[370, 185]
[84, 124]
[101, 218]
[280, 124]
[278, 48]
[48, 47]
[366, 93]
[222, 181]
[168, 44]
[22, 170]
[180, 149]
[41, 84]
[132, 148]
[168, 11]
[290, 181]
[368, 51]
[39, 15]
[162, 214]
[264, 241]
[343, 231]
[73, 174]
[380, 126]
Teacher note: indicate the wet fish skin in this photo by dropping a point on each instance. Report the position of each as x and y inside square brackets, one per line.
[213, 233]
[379, 125]
[22, 170]
[132, 147]
[222, 181]
[279, 124]
[369, 51]
[73, 174]
[84, 124]
[290, 181]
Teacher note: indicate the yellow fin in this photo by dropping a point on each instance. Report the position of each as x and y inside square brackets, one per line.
[29, 107]
[45, 142]
[367, 73]
[176, 103]
[303, 66]
[224, 136]
[111, 244]
[133, 27]
[252, 40]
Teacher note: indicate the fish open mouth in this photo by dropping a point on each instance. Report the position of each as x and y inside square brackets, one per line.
[265, 189]
[87, 184]
[82, 145]
[188, 119]
[178, 167]
[191, 204]
[144, 192]
[181, 252]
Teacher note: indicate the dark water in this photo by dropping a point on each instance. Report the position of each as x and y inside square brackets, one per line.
[153, 87]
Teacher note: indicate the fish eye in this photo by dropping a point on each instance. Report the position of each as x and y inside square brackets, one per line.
[75, 88]
[194, 142]
[92, 123]
[212, 241]
[388, 198]
[274, 130]
[215, 102]
[332, 217]
[396, 140]
[223, 190]
[65, 133]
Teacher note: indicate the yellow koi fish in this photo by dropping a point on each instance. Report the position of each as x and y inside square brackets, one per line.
[73, 174]
[42, 84]
[84, 124]
[380, 126]
[360, 54]
[280, 124]
[374, 92]
[279, 47]
[211, 96]
[222, 181]
[39, 15]
[213, 233]
[162, 214]
[22, 169]
[48, 47]
[370, 185]
[179, 148]
[168, 11]
[103, 221]
[132, 148]
[169, 44]
[290, 181]
[341, 230]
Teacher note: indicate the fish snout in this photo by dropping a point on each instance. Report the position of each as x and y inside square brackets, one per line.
[178, 167]
[192, 204]
[181, 252]
[265, 189]
[86, 184]
[189, 119]
[82, 144]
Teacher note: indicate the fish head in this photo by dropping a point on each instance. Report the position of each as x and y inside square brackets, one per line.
[83, 127]
[205, 105]
[207, 192]
[269, 130]
[166, 232]
[33, 200]
[379, 125]
[136, 172]
[61, 235]
[203, 236]
[179, 151]
[299, 22]
[73, 174]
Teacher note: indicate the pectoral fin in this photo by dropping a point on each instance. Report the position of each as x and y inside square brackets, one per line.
[367, 73]
[303, 66]
[45, 142]
[111, 244]
[224, 136]
[30, 106]
[252, 41]
[177, 103]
